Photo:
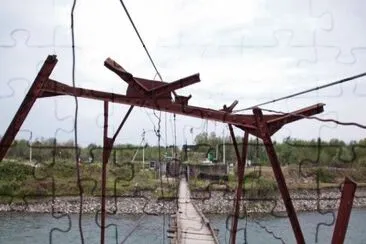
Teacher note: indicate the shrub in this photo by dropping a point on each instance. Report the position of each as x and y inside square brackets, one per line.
[9, 188]
[197, 184]
[63, 170]
[325, 176]
[15, 171]
[252, 176]
[125, 171]
[261, 187]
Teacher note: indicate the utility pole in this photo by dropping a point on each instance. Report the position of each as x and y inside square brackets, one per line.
[30, 152]
[217, 152]
[223, 147]
[30, 149]
[143, 149]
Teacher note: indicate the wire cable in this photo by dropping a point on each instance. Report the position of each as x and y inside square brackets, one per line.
[305, 91]
[133, 229]
[140, 38]
[317, 118]
[76, 126]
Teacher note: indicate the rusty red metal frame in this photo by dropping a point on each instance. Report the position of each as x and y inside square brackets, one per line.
[157, 95]
[107, 149]
[344, 211]
[34, 92]
[239, 188]
[264, 131]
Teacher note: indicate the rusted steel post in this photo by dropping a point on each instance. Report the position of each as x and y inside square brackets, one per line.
[239, 189]
[264, 134]
[34, 92]
[106, 150]
[344, 211]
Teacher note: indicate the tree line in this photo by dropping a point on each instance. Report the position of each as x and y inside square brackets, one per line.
[335, 152]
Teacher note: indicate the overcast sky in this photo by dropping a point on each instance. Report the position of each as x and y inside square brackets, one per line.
[252, 51]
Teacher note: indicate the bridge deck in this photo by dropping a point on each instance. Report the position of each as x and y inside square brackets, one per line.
[192, 226]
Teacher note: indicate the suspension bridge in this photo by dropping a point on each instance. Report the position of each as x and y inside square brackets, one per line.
[189, 224]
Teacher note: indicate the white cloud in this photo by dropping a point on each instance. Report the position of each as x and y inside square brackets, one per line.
[240, 49]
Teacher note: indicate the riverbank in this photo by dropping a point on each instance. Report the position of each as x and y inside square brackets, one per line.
[303, 200]
[214, 202]
[144, 202]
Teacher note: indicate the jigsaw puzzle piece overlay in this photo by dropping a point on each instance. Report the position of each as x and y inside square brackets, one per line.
[347, 40]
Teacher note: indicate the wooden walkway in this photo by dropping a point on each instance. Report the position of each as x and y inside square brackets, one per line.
[191, 226]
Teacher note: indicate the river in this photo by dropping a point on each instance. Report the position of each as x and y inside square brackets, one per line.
[43, 228]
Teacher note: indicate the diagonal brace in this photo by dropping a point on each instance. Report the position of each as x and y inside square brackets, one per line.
[34, 92]
[240, 174]
[107, 148]
[344, 211]
[264, 134]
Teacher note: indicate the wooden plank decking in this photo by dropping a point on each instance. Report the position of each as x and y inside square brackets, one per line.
[191, 225]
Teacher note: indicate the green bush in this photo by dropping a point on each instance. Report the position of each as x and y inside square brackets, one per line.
[125, 171]
[197, 184]
[231, 177]
[15, 171]
[325, 176]
[145, 180]
[9, 188]
[252, 176]
[261, 187]
[145, 175]
[63, 169]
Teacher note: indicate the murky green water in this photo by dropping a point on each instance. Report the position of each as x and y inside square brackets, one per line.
[43, 228]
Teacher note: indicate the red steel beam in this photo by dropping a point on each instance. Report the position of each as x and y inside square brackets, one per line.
[344, 211]
[243, 121]
[34, 92]
[240, 174]
[106, 152]
[264, 132]
[170, 87]
[107, 148]
[157, 91]
[162, 105]
[231, 107]
[123, 74]
[276, 123]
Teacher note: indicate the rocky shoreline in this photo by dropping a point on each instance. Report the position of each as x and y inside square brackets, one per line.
[303, 200]
[214, 202]
[144, 202]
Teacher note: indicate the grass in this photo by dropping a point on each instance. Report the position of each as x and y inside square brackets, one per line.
[60, 179]
[18, 179]
[263, 184]
[254, 187]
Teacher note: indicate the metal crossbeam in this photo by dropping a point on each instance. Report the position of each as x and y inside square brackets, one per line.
[243, 121]
[156, 95]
